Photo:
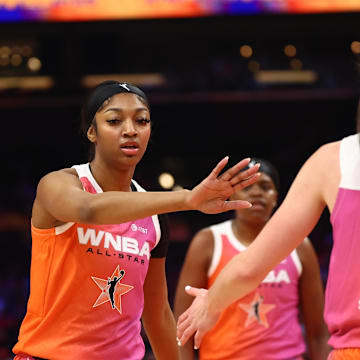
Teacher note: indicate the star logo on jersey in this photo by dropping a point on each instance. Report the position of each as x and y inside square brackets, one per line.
[112, 289]
[257, 311]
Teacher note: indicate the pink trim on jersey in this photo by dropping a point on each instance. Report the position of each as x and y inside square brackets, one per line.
[87, 185]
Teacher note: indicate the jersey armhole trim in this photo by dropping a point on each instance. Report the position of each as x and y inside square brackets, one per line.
[63, 228]
[157, 227]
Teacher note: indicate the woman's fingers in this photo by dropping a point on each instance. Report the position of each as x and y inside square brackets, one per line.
[196, 319]
[244, 175]
[198, 338]
[234, 174]
[183, 332]
[236, 205]
[244, 183]
[228, 174]
[219, 167]
[185, 327]
[193, 291]
[182, 319]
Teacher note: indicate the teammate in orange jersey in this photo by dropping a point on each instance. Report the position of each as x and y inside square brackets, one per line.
[265, 323]
[98, 254]
[329, 178]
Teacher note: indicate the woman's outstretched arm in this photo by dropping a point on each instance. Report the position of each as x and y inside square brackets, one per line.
[60, 198]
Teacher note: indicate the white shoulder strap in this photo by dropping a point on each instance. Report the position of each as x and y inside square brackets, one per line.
[350, 162]
[83, 170]
[218, 245]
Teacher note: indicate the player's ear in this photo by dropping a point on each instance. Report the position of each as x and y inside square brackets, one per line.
[91, 134]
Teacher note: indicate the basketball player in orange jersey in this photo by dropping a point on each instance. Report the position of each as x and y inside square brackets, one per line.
[330, 177]
[265, 323]
[98, 253]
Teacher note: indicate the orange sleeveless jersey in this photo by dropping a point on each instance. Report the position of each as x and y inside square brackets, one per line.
[73, 312]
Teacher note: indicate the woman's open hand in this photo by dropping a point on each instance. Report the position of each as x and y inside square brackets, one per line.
[212, 194]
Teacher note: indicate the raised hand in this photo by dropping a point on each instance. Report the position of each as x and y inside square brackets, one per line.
[196, 319]
[212, 194]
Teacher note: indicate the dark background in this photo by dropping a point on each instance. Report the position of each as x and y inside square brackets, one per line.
[209, 106]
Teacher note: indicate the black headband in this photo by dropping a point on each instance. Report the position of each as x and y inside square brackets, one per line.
[105, 91]
[267, 168]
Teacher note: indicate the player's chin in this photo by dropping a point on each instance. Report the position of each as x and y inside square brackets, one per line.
[258, 218]
[133, 158]
[131, 161]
